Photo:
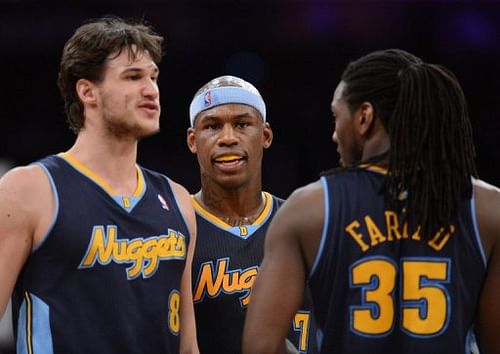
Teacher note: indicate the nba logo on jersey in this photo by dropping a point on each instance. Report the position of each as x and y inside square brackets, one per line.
[163, 202]
[207, 99]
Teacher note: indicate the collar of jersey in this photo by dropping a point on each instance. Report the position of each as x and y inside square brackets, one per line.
[215, 220]
[99, 180]
[374, 168]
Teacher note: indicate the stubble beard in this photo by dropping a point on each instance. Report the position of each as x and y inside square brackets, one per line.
[356, 150]
[120, 129]
[355, 155]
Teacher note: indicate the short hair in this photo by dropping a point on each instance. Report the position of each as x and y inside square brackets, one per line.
[85, 55]
[425, 114]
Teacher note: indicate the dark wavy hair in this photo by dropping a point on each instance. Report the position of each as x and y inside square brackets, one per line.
[85, 54]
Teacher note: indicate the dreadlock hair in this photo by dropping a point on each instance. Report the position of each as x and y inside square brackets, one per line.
[424, 112]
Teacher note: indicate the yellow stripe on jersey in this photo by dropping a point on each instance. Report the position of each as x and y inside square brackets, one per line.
[374, 168]
[140, 182]
[267, 209]
[208, 215]
[29, 322]
[99, 180]
[211, 217]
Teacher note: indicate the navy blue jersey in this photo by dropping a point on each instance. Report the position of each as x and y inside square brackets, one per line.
[379, 287]
[106, 278]
[226, 261]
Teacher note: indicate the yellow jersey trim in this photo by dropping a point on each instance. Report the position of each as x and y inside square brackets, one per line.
[266, 210]
[211, 217]
[29, 322]
[374, 168]
[99, 180]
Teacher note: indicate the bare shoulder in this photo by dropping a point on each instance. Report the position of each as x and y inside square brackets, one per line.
[311, 193]
[487, 207]
[23, 172]
[301, 219]
[481, 187]
[181, 193]
[185, 203]
[305, 205]
[25, 202]
[24, 181]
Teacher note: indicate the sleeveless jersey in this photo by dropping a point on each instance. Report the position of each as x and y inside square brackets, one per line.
[106, 278]
[379, 287]
[226, 261]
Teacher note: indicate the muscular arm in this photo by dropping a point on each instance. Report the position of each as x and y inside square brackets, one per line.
[26, 207]
[291, 243]
[189, 344]
[488, 214]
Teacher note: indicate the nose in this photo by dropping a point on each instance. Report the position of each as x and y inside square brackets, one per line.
[227, 135]
[151, 89]
[334, 137]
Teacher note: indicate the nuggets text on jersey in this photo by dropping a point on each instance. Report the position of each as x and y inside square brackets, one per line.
[212, 281]
[144, 254]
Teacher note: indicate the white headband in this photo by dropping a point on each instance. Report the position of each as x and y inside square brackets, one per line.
[224, 95]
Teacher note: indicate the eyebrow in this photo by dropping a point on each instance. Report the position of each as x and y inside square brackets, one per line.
[155, 70]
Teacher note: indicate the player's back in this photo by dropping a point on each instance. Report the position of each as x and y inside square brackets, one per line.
[380, 287]
[106, 278]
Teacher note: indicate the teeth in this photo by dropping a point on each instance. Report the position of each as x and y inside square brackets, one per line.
[227, 158]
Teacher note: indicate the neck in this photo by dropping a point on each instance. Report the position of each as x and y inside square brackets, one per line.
[235, 208]
[112, 160]
[381, 160]
[377, 147]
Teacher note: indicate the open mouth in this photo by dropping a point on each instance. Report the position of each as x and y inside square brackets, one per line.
[228, 158]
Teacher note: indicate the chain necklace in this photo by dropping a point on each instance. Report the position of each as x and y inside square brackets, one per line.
[234, 220]
[239, 220]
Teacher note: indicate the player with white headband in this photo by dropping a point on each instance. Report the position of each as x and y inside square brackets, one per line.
[223, 90]
[229, 133]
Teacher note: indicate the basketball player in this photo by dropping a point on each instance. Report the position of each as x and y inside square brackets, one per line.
[229, 133]
[401, 246]
[95, 248]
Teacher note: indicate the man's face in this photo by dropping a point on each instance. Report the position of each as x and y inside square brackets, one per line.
[229, 141]
[344, 135]
[128, 96]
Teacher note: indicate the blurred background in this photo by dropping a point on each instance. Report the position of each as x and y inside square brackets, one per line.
[293, 51]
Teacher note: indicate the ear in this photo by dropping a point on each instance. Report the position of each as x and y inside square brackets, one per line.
[191, 141]
[267, 135]
[86, 91]
[366, 118]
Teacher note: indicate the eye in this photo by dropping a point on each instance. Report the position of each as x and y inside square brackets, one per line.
[242, 125]
[133, 77]
[212, 126]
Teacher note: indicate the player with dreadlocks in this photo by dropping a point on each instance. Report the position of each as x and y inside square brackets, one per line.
[399, 245]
